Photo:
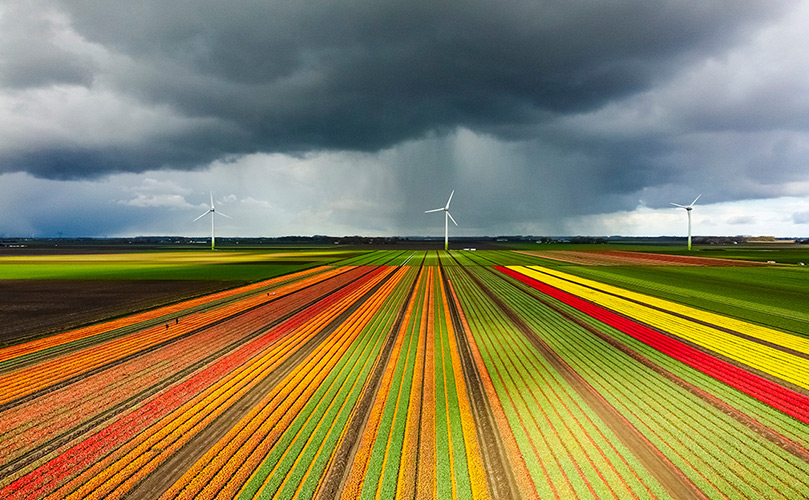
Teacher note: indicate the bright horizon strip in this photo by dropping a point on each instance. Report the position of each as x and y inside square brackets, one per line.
[786, 366]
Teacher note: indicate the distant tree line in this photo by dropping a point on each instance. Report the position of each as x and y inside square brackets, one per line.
[719, 240]
[588, 240]
[366, 240]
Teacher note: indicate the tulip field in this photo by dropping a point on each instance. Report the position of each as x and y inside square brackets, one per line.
[423, 374]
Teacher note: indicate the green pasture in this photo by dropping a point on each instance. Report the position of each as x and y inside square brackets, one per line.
[174, 265]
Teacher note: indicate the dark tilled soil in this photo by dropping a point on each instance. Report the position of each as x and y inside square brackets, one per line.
[33, 308]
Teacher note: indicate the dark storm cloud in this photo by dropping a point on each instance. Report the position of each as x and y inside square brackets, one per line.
[182, 151]
[31, 53]
[296, 77]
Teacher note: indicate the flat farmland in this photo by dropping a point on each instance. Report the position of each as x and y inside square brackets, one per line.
[44, 292]
[418, 374]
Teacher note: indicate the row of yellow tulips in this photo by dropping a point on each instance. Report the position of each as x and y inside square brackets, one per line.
[687, 323]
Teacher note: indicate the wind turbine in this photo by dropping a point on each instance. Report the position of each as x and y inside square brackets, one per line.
[688, 209]
[447, 218]
[213, 213]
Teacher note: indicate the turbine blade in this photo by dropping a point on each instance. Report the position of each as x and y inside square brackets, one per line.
[449, 200]
[211, 199]
[223, 215]
[434, 210]
[450, 218]
[677, 205]
[201, 216]
[695, 200]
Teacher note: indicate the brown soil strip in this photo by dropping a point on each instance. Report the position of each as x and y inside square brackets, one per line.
[669, 476]
[499, 476]
[65, 382]
[336, 474]
[101, 337]
[98, 420]
[75, 378]
[168, 472]
[656, 258]
[68, 381]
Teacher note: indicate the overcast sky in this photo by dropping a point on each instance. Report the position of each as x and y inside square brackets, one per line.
[117, 118]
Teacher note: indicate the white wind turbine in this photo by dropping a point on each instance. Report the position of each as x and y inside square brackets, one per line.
[213, 213]
[447, 218]
[688, 209]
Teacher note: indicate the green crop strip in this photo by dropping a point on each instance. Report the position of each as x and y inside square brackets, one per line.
[218, 266]
[498, 344]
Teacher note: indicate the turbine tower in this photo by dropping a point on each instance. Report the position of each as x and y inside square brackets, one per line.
[688, 209]
[447, 218]
[213, 213]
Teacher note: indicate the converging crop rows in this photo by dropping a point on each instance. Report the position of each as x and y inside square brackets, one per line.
[410, 375]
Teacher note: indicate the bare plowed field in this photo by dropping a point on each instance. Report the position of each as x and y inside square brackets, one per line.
[36, 307]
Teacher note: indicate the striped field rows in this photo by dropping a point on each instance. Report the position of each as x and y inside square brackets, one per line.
[410, 375]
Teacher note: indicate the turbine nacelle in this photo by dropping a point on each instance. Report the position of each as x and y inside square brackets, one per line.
[687, 207]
